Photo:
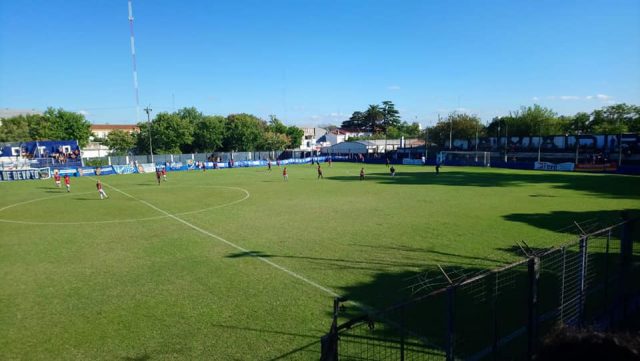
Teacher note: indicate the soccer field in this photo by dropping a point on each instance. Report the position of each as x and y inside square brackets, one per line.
[238, 264]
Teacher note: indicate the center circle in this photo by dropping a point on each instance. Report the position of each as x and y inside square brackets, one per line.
[160, 198]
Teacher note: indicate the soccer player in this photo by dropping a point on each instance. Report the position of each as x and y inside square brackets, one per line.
[164, 174]
[329, 161]
[437, 168]
[100, 190]
[269, 165]
[56, 177]
[285, 176]
[393, 171]
[387, 162]
[361, 173]
[158, 175]
[67, 182]
[320, 172]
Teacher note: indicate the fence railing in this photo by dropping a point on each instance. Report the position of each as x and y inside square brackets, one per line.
[504, 313]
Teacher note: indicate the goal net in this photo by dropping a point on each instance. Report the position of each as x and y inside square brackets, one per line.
[465, 158]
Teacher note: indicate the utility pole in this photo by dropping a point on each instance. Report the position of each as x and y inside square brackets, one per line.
[477, 141]
[619, 144]
[148, 110]
[450, 130]
[540, 142]
[506, 139]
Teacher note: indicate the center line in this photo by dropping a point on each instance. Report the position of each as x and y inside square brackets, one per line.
[205, 232]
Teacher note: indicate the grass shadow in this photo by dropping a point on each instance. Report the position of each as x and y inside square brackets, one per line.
[601, 185]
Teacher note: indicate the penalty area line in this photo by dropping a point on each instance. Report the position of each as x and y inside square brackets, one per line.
[207, 233]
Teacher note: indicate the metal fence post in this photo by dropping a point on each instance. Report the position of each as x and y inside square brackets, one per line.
[583, 276]
[450, 330]
[626, 254]
[402, 332]
[564, 268]
[494, 311]
[533, 272]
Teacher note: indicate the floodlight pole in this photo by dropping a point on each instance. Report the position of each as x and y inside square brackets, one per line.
[540, 142]
[506, 140]
[476, 142]
[450, 131]
[148, 110]
[577, 146]
[619, 144]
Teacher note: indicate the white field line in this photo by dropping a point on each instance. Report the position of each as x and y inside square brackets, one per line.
[205, 232]
[246, 196]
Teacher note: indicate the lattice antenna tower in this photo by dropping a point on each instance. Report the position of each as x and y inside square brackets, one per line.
[133, 59]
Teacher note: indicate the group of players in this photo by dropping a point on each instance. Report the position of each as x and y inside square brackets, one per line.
[67, 184]
[161, 175]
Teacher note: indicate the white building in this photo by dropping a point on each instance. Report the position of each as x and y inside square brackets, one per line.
[310, 138]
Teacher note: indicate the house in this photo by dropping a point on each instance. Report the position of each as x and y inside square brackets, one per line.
[310, 137]
[103, 130]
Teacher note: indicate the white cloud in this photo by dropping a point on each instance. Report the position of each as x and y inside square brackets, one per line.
[589, 97]
[569, 97]
[603, 97]
[83, 112]
[393, 87]
[535, 99]
[315, 117]
[462, 110]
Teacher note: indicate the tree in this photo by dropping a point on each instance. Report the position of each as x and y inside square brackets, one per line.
[59, 124]
[169, 133]
[295, 135]
[461, 126]
[390, 116]
[615, 119]
[15, 129]
[373, 118]
[274, 141]
[357, 121]
[581, 122]
[276, 126]
[120, 142]
[243, 132]
[209, 134]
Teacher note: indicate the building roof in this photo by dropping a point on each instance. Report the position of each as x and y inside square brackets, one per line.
[131, 127]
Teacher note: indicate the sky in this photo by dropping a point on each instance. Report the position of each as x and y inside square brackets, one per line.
[313, 62]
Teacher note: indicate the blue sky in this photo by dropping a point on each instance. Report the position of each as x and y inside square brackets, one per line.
[317, 61]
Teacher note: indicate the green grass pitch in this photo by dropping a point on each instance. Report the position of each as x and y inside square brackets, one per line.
[239, 265]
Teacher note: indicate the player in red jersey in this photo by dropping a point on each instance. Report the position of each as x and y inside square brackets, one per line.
[284, 174]
[56, 177]
[158, 175]
[67, 182]
[320, 172]
[361, 173]
[164, 174]
[100, 190]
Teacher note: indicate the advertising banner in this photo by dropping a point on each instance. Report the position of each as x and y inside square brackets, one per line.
[606, 167]
[124, 169]
[561, 167]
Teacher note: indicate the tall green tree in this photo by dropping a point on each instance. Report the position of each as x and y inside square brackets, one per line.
[274, 141]
[461, 126]
[357, 121]
[209, 133]
[295, 135]
[169, 134]
[243, 132]
[120, 142]
[373, 117]
[617, 118]
[59, 124]
[15, 129]
[390, 116]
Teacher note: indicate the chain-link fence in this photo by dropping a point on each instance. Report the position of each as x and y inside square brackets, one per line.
[503, 313]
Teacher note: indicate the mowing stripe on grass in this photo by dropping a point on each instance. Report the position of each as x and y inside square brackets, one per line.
[205, 232]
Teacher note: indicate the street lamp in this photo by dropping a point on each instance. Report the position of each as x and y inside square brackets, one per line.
[148, 110]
